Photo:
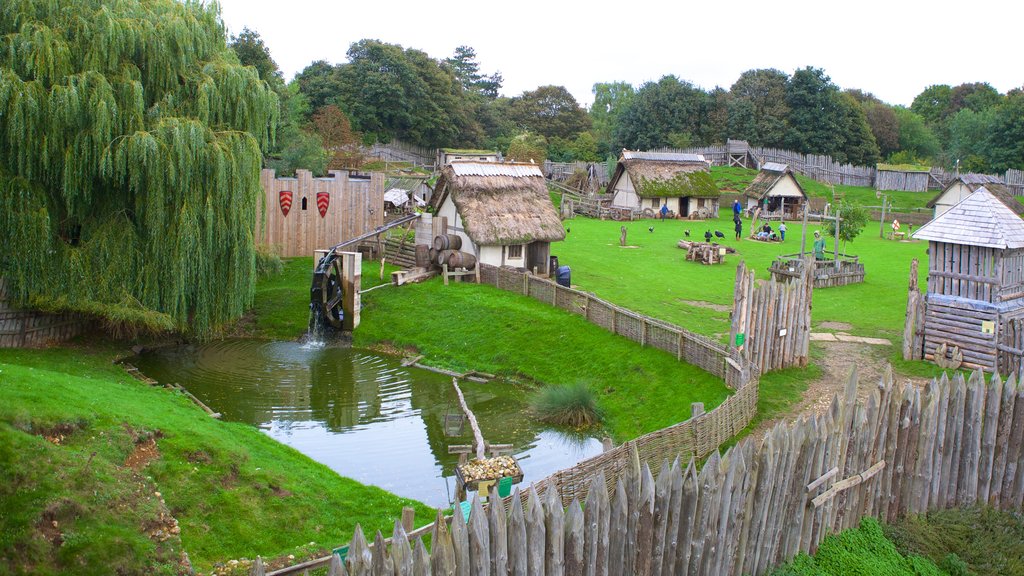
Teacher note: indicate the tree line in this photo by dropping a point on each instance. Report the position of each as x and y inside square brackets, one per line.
[385, 91]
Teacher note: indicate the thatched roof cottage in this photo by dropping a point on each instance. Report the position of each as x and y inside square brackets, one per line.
[975, 275]
[777, 192]
[502, 212]
[654, 179]
[962, 187]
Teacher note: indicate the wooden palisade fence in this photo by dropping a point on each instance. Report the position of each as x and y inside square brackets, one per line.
[902, 451]
[771, 320]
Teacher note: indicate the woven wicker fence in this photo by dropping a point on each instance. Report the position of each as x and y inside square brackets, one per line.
[697, 437]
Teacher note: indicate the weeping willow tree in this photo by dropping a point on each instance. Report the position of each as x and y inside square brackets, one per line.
[130, 146]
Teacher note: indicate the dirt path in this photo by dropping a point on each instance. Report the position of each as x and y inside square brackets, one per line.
[837, 359]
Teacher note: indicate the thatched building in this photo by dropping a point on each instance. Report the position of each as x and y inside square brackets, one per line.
[650, 180]
[502, 212]
[446, 156]
[962, 187]
[777, 192]
[975, 276]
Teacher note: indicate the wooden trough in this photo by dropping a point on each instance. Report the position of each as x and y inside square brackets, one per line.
[847, 269]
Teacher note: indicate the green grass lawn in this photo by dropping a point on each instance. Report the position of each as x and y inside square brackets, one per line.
[733, 179]
[71, 505]
[652, 275]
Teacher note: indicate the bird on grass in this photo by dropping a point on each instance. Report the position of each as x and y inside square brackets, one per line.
[707, 235]
[719, 234]
[651, 229]
[687, 232]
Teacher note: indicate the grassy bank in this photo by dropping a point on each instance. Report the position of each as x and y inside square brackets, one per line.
[468, 327]
[103, 474]
[957, 542]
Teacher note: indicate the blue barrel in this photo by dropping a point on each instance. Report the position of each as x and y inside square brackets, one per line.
[564, 276]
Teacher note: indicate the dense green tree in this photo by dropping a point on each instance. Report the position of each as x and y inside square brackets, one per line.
[758, 111]
[859, 146]
[816, 122]
[917, 141]
[130, 148]
[885, 126]
[974, 96]
[390, 92]
[320, 84]
[584, 148]
[296, 146]
[852, 219]
[933, 104]
[610, 99]
[969, 133]
[550, 111]
[714, 127]
[1006, 139]
[662, 114]
[252, 51]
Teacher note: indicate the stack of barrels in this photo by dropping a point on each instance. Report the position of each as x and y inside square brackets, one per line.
[445, 251]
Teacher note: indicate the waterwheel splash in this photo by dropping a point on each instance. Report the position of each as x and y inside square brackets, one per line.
[326, 298]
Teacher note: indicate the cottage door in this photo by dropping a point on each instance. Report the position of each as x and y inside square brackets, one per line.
[684, 207]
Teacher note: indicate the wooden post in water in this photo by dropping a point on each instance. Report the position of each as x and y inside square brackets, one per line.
[351, 280]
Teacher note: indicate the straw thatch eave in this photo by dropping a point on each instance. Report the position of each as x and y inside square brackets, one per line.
[667, 179]
[766, 180]
[501, 209]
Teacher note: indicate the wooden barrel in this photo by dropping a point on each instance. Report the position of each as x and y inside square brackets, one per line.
[447, 242]
[433, 256]
[422, 256]
[443, 256]
[461, 260]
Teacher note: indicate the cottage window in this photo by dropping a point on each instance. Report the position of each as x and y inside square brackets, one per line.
[515, 251]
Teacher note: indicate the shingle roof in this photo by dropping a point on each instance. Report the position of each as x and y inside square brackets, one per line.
[973, 182]
[662, 156]
[990, 218]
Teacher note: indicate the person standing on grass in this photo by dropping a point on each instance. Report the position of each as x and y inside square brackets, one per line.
[782, 231]
[736, 209]
[819, 246]
[664, 211]
[739, 227]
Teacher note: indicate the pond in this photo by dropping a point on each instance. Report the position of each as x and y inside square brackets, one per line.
[365, 416]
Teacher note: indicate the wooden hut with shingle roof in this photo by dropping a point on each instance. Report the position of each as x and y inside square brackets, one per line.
[975, 276]
[962, 187]
[650, 180]
[776, 191]
[502, 211]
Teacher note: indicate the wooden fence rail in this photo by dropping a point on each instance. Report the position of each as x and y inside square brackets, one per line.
[903, 450]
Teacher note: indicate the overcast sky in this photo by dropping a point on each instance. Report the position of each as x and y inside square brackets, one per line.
[893, 49]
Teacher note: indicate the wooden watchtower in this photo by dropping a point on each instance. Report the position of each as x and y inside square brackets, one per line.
[975, 291]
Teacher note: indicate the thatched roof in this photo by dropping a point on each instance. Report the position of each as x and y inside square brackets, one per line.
[665, 175]
[500, 203]
[770, 175]
[990, 218]
[972, 182]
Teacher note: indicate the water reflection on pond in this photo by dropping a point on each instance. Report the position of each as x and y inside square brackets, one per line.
[365, 416]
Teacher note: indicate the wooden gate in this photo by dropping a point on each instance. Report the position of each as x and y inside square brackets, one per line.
[771, 321]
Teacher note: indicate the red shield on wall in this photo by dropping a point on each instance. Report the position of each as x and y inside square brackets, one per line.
[284, 197]
[323, 199]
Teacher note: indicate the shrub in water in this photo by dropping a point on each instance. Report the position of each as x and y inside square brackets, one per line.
[570, 405]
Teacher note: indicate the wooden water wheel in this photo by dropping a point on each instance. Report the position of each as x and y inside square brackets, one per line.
[326, 294]
[948, 358]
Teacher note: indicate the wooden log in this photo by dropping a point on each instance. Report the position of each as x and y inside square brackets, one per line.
[554, 524]
[460, 545]
[645, 524]
[617, 531]
[479, 540]
[381, 563]
[359, 559]
[518, 559]
[573, 537]
[536, 534]
[595, 520]
[442, 557]
[1003, 432]
[498, 534]
[401, 552]
[685, 531]
[421, 559]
